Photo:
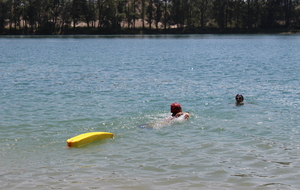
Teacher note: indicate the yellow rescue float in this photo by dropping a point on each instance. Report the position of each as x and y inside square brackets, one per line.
[85, 138]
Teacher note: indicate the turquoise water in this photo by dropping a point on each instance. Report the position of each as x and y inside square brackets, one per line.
[54, 88]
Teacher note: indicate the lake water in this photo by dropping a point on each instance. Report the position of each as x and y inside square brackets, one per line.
[54, 88]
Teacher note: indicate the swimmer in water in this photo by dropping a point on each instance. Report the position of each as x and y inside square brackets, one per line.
[239, 99]
[177, 115]
[176, 111]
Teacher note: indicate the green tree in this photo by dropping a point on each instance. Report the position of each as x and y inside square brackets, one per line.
[288, 6]
[166, 17]
[158, 12]
[111, 17]
[270, 13]
[205, 9]
[297, 16]
[219, 12]
[149, 13]
[143, 5]
[3, 14]
[88, 11]
[31, 14]
[76, 11]
[64, 15]
[177, 12]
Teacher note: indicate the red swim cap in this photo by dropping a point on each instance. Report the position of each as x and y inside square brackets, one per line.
[175, 108]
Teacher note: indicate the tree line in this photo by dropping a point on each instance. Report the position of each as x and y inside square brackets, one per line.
[115, 16]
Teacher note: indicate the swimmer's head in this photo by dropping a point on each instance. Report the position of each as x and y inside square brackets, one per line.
[239, 98]
[176, 108]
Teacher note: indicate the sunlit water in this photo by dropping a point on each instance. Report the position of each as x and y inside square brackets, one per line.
[55, 88]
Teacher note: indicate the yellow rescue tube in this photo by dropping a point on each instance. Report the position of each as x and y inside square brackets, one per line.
[85, 138]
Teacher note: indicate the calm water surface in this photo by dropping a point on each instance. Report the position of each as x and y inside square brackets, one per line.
[55, 88]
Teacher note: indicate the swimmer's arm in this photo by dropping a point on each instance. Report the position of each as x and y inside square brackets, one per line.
[186, 115]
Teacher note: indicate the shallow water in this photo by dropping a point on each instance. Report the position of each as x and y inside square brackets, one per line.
[54, 88]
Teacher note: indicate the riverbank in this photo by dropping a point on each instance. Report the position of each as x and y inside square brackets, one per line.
[102, 31]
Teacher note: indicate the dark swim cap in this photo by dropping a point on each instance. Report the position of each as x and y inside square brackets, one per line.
[175, 108]
[239, 96]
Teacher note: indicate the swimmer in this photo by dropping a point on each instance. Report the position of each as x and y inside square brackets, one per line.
[176, 111]
[239, 99]
[177, 116]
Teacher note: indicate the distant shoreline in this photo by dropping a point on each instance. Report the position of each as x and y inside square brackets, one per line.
[128, 31]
